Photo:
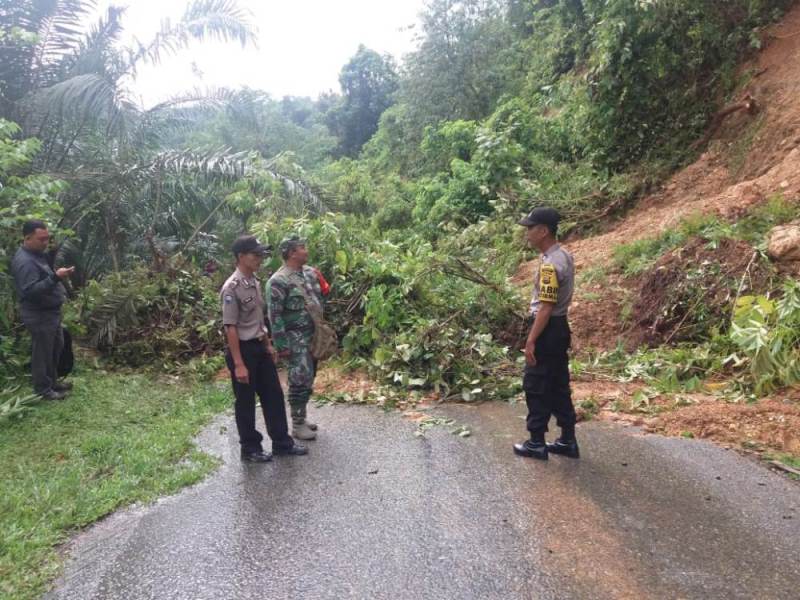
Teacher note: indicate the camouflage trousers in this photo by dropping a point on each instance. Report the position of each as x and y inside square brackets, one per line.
[302, 369]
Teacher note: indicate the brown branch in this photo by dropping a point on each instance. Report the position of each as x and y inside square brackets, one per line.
[748, 104]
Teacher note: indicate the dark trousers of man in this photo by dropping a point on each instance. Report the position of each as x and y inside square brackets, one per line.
[47, 342]
[546, 384]
[264, 382]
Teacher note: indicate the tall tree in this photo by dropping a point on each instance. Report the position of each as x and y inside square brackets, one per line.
[369, 81]
[464, 62]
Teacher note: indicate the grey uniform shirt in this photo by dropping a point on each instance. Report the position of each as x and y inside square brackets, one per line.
[555, 281]
[243, 306]
[38, 287]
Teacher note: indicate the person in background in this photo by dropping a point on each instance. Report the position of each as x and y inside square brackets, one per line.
[41, 294]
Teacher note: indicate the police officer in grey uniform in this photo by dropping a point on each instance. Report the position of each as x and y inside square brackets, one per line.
[546, 376]
[41, 294]
[251, 358]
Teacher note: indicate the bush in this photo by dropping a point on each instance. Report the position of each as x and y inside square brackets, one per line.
[414, 315]
[141, 318]
[768, 332]
[23, 196]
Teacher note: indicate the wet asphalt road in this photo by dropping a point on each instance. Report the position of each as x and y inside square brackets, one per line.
[376, 512]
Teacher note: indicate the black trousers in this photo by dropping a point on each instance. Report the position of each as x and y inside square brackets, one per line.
[546, 384]
[264, 382]
[47, 343]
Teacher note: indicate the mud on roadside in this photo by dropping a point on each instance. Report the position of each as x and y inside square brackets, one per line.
[765, 427]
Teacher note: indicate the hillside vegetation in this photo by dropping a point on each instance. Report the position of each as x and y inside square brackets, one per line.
[407, 184]
[667, 132]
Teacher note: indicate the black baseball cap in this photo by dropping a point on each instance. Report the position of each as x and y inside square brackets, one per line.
[543, 215]
[248, 244]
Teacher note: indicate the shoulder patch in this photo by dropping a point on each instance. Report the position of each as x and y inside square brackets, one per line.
[227, 299]
[548, 283]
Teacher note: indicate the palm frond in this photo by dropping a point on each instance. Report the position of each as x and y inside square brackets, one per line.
[116, 310]
[25, 66]
[219, 164]
[222, 165]
[87, 94]
[199, 99]
[60, 32]
[92, 53]
[220, 20]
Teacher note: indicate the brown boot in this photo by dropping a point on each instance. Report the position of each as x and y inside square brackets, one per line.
[301, 431]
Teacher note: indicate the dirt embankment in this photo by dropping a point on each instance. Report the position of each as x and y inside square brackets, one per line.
[751, 158]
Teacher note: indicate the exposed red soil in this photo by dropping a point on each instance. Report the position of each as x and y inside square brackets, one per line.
[768, 424]
[715, 182]
[597, 315]
[333, 380]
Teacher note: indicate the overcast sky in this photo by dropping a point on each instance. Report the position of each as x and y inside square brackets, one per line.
[302, 44]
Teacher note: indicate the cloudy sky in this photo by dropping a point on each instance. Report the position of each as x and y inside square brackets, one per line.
[302, 44]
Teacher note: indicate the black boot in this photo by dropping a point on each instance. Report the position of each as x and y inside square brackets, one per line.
[531, 449]
[293, 450]
[565, 448]
[257, 456]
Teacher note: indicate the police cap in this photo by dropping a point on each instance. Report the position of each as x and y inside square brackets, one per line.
[543, 215]
[248, 244]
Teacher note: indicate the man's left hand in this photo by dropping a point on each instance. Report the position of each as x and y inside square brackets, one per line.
[271, 350]
[530, 354]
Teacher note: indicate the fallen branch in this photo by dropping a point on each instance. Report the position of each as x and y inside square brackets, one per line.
[748, 104]
[741, 283]
[784, 467]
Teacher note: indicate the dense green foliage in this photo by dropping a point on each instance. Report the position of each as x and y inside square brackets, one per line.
[23, 196]
[504, 105]
[368, 82]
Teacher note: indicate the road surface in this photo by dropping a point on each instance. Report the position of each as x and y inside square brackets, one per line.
[375, 512]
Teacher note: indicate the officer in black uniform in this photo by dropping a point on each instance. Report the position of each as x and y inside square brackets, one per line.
[546, 377]
[251, 358]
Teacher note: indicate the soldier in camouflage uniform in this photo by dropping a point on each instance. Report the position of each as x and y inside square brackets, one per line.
[287, 292]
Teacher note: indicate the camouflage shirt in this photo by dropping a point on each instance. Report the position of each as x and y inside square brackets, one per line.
[286, 305]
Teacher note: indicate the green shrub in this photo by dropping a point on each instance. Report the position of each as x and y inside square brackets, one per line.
[414, 314]
[768, 332]
[140, 318]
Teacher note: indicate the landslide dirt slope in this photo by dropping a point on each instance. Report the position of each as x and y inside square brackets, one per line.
[750, 158]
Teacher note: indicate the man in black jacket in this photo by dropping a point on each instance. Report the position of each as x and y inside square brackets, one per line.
[41, 294]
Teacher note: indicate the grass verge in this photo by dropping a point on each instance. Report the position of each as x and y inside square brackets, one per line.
[116, 440]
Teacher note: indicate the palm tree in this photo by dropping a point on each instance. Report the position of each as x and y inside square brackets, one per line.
[71, 88]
